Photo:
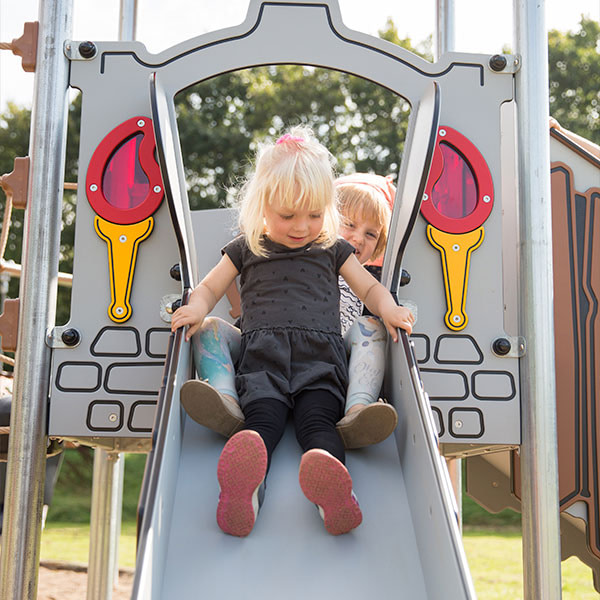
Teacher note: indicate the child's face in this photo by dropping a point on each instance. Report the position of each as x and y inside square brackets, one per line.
[293, 228]
[363, 235]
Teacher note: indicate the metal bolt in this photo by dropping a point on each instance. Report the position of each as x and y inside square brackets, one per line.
[87, 49]
[122, 239]
[425, 197]
[486, 199]
[456, 247]
[119, 310]
[175, 272]
[442, 132]
[93, 187]
[141, 123]
[458, 424]
[501, 346]
[456, 318]
[71, 337]
[157, 189]
[497, 62]
[112, 417]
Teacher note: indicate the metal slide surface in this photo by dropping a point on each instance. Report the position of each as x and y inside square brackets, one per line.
[407, 546]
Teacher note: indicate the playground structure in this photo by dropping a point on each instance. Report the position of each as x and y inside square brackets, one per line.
[482, 349]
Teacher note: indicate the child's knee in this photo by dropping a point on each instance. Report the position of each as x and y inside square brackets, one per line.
[367, 329]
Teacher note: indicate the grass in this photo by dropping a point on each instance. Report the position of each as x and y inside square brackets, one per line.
[494, 558]
[70, 542]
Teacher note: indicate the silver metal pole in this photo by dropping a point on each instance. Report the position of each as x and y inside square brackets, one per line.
[105, 525]
[127, 20]
[107, 486]
[539, 457]
[41, 241]
[445, 27]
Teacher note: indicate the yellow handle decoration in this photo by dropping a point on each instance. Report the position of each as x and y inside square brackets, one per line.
[122, 242]
[455, 250]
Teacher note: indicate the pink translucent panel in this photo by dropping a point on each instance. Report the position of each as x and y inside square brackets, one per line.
[455, 193]
[124, 183]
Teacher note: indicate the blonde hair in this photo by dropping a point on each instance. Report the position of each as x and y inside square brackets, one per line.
[296, 171]
[366, 197]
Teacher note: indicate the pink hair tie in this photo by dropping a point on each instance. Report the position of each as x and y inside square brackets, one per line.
[288, 138]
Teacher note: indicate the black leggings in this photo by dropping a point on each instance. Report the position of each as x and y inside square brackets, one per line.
[315, 412]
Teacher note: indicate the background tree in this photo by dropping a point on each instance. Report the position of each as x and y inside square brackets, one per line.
[574, 73]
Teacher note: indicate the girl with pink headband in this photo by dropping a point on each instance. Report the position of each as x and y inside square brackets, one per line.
[292, 356]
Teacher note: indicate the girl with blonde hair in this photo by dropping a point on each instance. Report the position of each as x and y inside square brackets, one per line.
[292, 356]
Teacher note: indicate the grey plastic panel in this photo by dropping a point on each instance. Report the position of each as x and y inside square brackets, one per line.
[114, 86]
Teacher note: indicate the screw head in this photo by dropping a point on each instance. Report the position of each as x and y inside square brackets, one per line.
[93, 187]
[87, 49]
[501, 346]
[141, 123]
[175, 272]
[112, 417]
[497, 62]
[71, 337]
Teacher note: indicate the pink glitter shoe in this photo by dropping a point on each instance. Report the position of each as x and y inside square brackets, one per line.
[326, 482]
[241, 471]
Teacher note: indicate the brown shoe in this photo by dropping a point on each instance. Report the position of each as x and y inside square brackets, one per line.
[371, 425]
[209, 408]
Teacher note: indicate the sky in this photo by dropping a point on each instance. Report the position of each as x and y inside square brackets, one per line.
[163, 24]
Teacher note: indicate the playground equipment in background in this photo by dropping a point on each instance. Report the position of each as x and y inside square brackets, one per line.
[115, 376]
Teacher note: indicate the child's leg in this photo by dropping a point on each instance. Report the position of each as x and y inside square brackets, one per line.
[323, 477]
[365, 342]
[216, 347]
[316, 413]
[367, 421]
[212, 401]
[244, 463]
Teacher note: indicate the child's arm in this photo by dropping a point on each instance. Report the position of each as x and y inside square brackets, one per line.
[376, 297]
[204, 297]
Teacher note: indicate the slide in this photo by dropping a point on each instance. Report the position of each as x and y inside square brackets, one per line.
[408, 546]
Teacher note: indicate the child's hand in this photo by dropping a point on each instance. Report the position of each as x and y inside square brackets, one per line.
[187, 315]
[399, 316]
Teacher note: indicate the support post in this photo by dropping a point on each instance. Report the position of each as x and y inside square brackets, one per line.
[41, 242]
[539, 456]
[444, 27]
[105, 524]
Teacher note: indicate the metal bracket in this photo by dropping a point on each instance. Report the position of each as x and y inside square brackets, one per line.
[166, 306]
[504, 63]
[518, 347]
[79, 50]
[54, 338]
[16, 183]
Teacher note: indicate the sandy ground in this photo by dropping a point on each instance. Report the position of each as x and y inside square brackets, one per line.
[65, 584]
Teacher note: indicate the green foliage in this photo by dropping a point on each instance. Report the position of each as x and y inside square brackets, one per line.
[574, 73]
[73, 492]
